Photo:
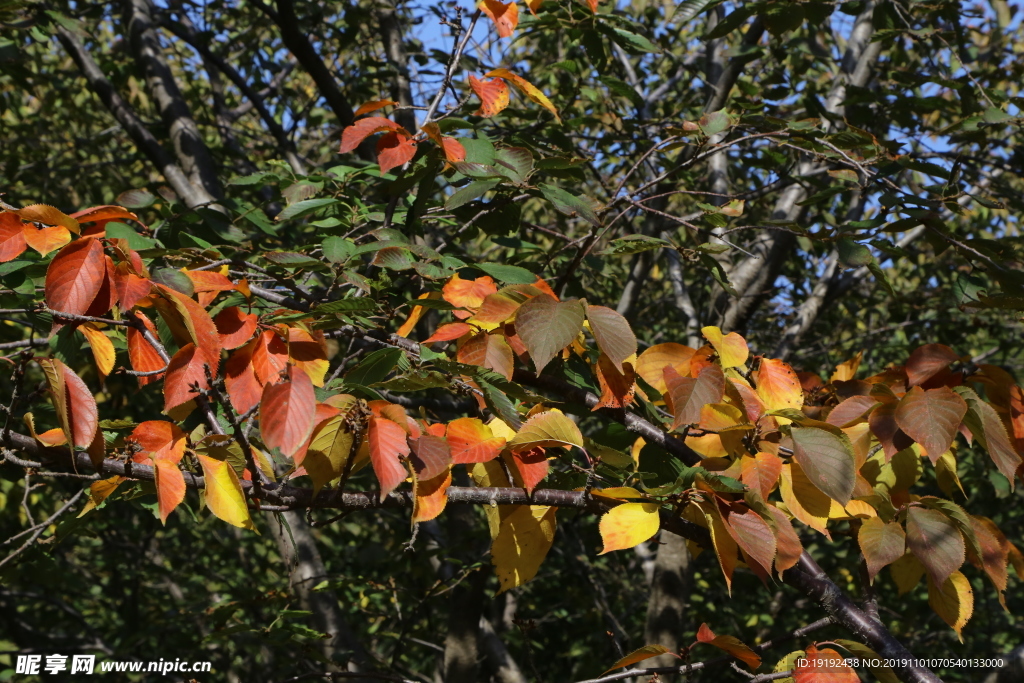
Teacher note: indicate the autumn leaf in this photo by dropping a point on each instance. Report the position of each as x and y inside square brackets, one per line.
[638, 655]
[493, 95]
[952, 600]
[388, 445]
[803, 499]
[931, 418]
[99, 491]
[935, 541]
[525, 87]
[371, 106]
[12, 236]
[235, 327]
[48, 215]
[287, 411]
[309, 353]
[628, 525]
[613, 334]
[244, 388]
[143, 356]
[787, 542]
[430, 456]
[777, 385]
[651, 363]
[467, 293]
[928, 361]
[430, 496]
[689, 395]
[617, 386]
[505, 16]
[472, 441]
[730, 644]
[523, 541]
[490, 351]
[882, 543]
[828, 460]
[170, 487]
[547, 326]
[156, 440]
[532, 466]
[73, 402]
[224, 495]
[823, 666]
[186, 370]
[354, 135]
[394, 149]
[101, 346]
[75, 276]
[986, 426]
[449, 332]
[846, 370]
[731, 348]
[761, 472]
[269, 356]
[549, 428]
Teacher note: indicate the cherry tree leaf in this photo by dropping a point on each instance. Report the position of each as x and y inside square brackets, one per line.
[394, 149]
[493, 95]
[12, 236]
[287, 412]
[935, 541]
[777, 385]
[244, 388]
[688, 395]
[505, 16]
[927, 361]
[532, 467]
[430, 456]
[731, 348]
[752, 534]
[617, 387]
[787, 541]
[882, 543]
[269, 356]
[75, 276]
[490, 351]
[525, 87]
[235, 326]
[550, 428]
[143, 356]
[639, 655]
[953, 600]
[72, 401]
[372, 106]
[224, 495]
[546, 326]
[931, 418]
[761, 472]
[524, 538]
[472, 441]
[987, 427]
[102, 348]
[388, 445]
[170, 487]
[450, 332]
[186, 369]
[823, 666]
[354, 135]
[828, 461]
[651, 363]
[730, 644]
[613, 334]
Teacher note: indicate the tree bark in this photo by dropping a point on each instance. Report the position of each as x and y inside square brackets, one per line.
[670, 587]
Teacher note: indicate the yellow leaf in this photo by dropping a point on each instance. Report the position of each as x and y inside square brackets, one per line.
[628, 525]
[846, 370]
[102, 347]
[725, 547]
[550, 428]
[803, 499]
[224, 494]
[906, 572]
[492, 474]
[329, 451]
[522, 543]
[526, 88]
[731, 348]
[652, 362]
[778, 386]
[98, 492]
[417, 313]
[639, 655]
[953, 601]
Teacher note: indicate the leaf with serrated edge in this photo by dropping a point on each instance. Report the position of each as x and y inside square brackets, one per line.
[777, 385]
[287, 411]
[730, 644]
[690, 395]
[628, 525]
[931, 418]
[75, 276]
[547, 326]
[731, 348]
[935, 541]
[388, 444]
[550, 428]
[952, 600]
[927, 361]
[613, 334]
[224, 495]
[472, 441]
[523, 540]
[882, 543]
[651, 363]
[639, 655]
[828, 461]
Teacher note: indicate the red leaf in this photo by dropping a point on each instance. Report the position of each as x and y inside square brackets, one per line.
[192, 321]
[352, 136]
[269, 356]
[209, 281]
[12, 236]
[851, 411]
[935, 541]
[106, 298]
[593, 5]
[287, 411]
[235, 327]
[388, 444]
[786, 540]
[927, 361]
[472, 441]
[532, 466]
[505, 17]
[75, 276]
[751, 533]
[453, 149]
[689, 395]
[823, 666]
[617, 387]
[104, 214]
[493, 95]
[394, 149]
[73, 402]
[143, 355]
[373, 105]
[883, 425]
[761, 472]
[430, 456]
[185, 370]
[158, 439]
[449, 331]
[490, 351]
[931, 418]
[170, 487]
[244, 389]
[130, 288]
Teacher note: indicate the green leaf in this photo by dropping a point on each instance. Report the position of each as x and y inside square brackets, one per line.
[468, 193]
[828, 461]
[547, 326]
[882, 543]
[515, 163]
[632, 41]
[568, 204]
[115, 230]
[634, 244]
[173, 278]
[136, 199]
[291, 259]
[376, 367]
[935, 541]
[346, 306]
[338, 249]
[852, 254]
[499, 404]
[513, 275]
[715, 122]
[731, 22]
[691, 8]
[305, 207]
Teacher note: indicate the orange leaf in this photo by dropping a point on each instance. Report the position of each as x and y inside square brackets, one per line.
[75, 276]
[430, 496]
[269, 356]
[417, 313]
[353, 135]
[467, 293]
[593, 5]
[490, 351]
[689, 395]
[48, 215]
[130, 287]
[651, 363]
[209, 281]
[143, 355]
[102, 348]
[761, 472]
[927, 361]
[170, 487]
[931, 418]
[235, 327]
[373, 105]
[525, 87]
[534, 5]
[730, 644]
[452, 148]
[189, 322]
[309, 353]
[104, 214]
[617, 387]
[504, 16]
[449, 331]
[45, 240]
[493, 95]
[388, 444]
[823, 666]
[287, 411]
[786, 540]
[73, 402]
[532, 465]
[471, 441]
[751, 533]
[777, 385]
[430, 456]
[639, 655]
[187, 368]
[244, 389]
[12, 236]
[158, 439]
[394, 149]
